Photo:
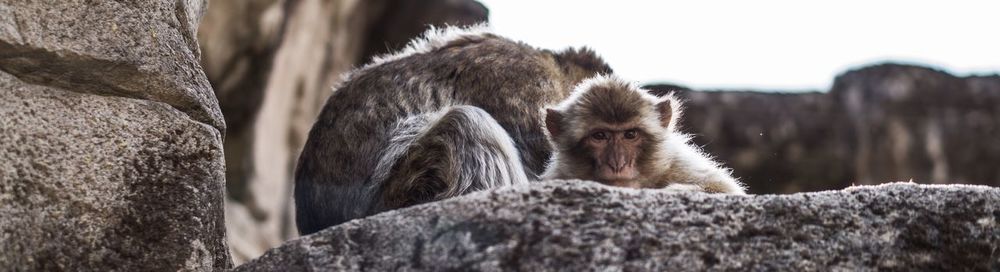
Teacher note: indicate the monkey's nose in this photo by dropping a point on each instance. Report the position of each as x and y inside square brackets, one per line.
[618, 165]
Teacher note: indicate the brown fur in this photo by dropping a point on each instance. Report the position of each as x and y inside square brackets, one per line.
[655, 156]
[446, 117]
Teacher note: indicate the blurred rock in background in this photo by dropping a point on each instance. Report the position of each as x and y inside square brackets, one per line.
[272, 64]
[877, 124]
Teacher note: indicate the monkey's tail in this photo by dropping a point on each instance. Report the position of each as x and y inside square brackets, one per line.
[454, 151]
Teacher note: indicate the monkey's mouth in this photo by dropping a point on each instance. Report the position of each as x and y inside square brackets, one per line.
[612, 176]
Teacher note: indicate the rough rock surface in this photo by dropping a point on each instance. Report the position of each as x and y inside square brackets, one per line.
[877, 123]
[577, 226]
[272, 63]
[143, 49]
[110, 139]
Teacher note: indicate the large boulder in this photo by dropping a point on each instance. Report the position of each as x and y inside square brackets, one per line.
[577, 226]
[110, 139]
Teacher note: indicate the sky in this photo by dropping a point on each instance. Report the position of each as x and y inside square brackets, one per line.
[767, 45]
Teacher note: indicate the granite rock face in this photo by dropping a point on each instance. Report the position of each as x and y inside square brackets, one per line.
[110, 139]
[272, 63]
[877, 123]
[576, 226]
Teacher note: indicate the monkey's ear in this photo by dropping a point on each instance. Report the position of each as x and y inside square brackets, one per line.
[666, 110]
[553, 122]
[583, 58]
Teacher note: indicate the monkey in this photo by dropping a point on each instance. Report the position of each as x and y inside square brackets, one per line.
[610, 131]
[457, 110]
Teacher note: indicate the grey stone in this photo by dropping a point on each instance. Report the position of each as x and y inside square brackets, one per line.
[110, 139]
[583, 226]
[137, 49]
[106, 183]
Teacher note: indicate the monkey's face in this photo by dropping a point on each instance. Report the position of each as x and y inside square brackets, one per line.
[611, 132]
[614, 153]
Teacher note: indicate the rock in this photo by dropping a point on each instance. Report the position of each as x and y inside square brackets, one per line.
[144, 50]
[273, 63]
[110, 139]
[881, 122]
[575, 226]
[920, 123]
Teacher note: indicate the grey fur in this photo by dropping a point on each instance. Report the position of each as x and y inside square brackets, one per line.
[457, 111]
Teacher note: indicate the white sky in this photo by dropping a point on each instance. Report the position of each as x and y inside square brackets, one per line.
[770, 44]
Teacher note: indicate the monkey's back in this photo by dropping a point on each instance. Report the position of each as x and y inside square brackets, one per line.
[509, 80]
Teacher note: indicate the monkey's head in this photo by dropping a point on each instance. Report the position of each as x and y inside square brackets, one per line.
[609, 131]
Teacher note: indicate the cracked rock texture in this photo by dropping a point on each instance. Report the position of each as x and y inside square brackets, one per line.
[578, 226]
[110, 139]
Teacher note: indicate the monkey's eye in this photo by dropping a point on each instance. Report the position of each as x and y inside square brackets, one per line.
[631, 134]
[600, 135]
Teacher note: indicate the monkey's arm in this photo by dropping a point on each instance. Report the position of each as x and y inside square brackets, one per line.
[679, 187]
[693, 167]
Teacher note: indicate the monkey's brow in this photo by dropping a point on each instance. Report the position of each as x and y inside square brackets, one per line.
[616, 130]
[620, 125]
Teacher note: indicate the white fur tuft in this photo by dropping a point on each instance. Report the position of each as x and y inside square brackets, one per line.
[427, 42]
[433, 39]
